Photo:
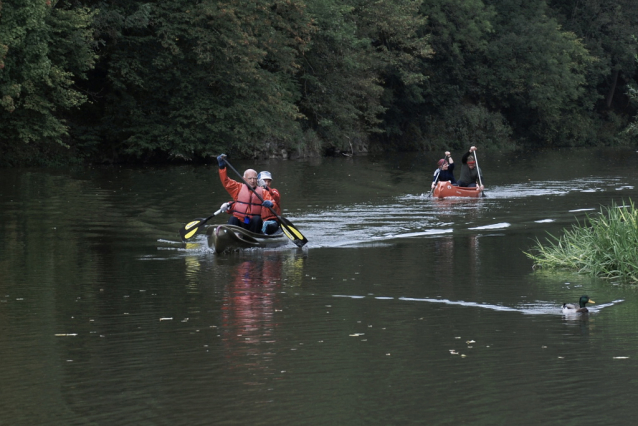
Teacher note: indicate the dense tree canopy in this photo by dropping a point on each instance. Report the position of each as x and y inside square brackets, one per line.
[106, 80]
[44, 52]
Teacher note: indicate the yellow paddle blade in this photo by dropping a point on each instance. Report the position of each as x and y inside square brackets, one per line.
[283, 228]
[190, 234]
[191, 224]
[298, 234]
[294, 235]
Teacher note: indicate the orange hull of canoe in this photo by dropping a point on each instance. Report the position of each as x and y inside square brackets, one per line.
[446, 189]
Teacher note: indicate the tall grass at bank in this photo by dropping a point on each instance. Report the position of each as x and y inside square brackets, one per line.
[605, 245]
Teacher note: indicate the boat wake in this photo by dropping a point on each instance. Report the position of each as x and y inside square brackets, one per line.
[540, 308]
[556, 187]
[417, 216]
[392, 219]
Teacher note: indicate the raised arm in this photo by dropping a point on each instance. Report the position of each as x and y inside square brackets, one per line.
[467, 154]
[448, 157]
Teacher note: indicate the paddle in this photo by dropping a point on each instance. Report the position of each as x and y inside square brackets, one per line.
[479, 174]
[191, 228]
[438, 173]
[286, 225]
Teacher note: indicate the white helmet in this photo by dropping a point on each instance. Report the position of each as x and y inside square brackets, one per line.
[261, 176]
[264, 175]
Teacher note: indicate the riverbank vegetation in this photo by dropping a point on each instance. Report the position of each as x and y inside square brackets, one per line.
[604, 245]
[178, 80]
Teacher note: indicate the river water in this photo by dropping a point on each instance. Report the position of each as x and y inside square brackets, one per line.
[401, 309]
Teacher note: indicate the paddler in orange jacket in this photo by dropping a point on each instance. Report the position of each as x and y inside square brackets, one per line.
[271, 225]
[246, 208]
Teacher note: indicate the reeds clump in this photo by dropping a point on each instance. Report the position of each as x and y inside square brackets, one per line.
[605, 245]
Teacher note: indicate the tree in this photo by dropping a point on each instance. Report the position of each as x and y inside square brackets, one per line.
[501, 65]
[362, 49]
[608, 29]
[188, 80]
[45, 48]
[399, 50]
[537, 73]
[451, 107]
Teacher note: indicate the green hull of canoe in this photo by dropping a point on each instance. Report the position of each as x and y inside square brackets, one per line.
[224, 238]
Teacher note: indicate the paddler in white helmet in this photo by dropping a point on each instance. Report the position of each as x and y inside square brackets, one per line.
[271, 225]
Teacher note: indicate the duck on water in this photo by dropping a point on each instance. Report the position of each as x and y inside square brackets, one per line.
[570, 308]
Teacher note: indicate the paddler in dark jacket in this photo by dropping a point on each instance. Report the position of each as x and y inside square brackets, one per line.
[246, 207]
[445, 172]
[469, 172]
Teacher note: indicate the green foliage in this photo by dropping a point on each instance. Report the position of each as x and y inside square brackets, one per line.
[605, 246]
[460, 124]
[183, 80]
[537, 71]
[191, 80]
[514, 58]
[608, 30]
[45, 48]
[338, 77]
[632, 128]
[356, 61]
[460, 32]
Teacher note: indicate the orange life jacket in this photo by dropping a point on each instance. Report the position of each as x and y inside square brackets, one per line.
[266, 214]
[247, 203]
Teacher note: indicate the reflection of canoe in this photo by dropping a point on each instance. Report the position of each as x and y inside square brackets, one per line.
[230, 237]
[446, 189]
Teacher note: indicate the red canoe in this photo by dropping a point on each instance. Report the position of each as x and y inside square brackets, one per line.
[446, 189]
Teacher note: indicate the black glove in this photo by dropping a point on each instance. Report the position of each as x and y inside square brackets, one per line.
[267, 203]
[220, 161]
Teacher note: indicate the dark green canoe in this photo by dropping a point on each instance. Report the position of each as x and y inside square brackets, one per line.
[230, 237]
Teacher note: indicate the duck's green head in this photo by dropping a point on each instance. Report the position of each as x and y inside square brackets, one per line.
[584, 300]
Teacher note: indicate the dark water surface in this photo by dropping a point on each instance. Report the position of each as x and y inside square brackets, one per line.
[400, 310]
